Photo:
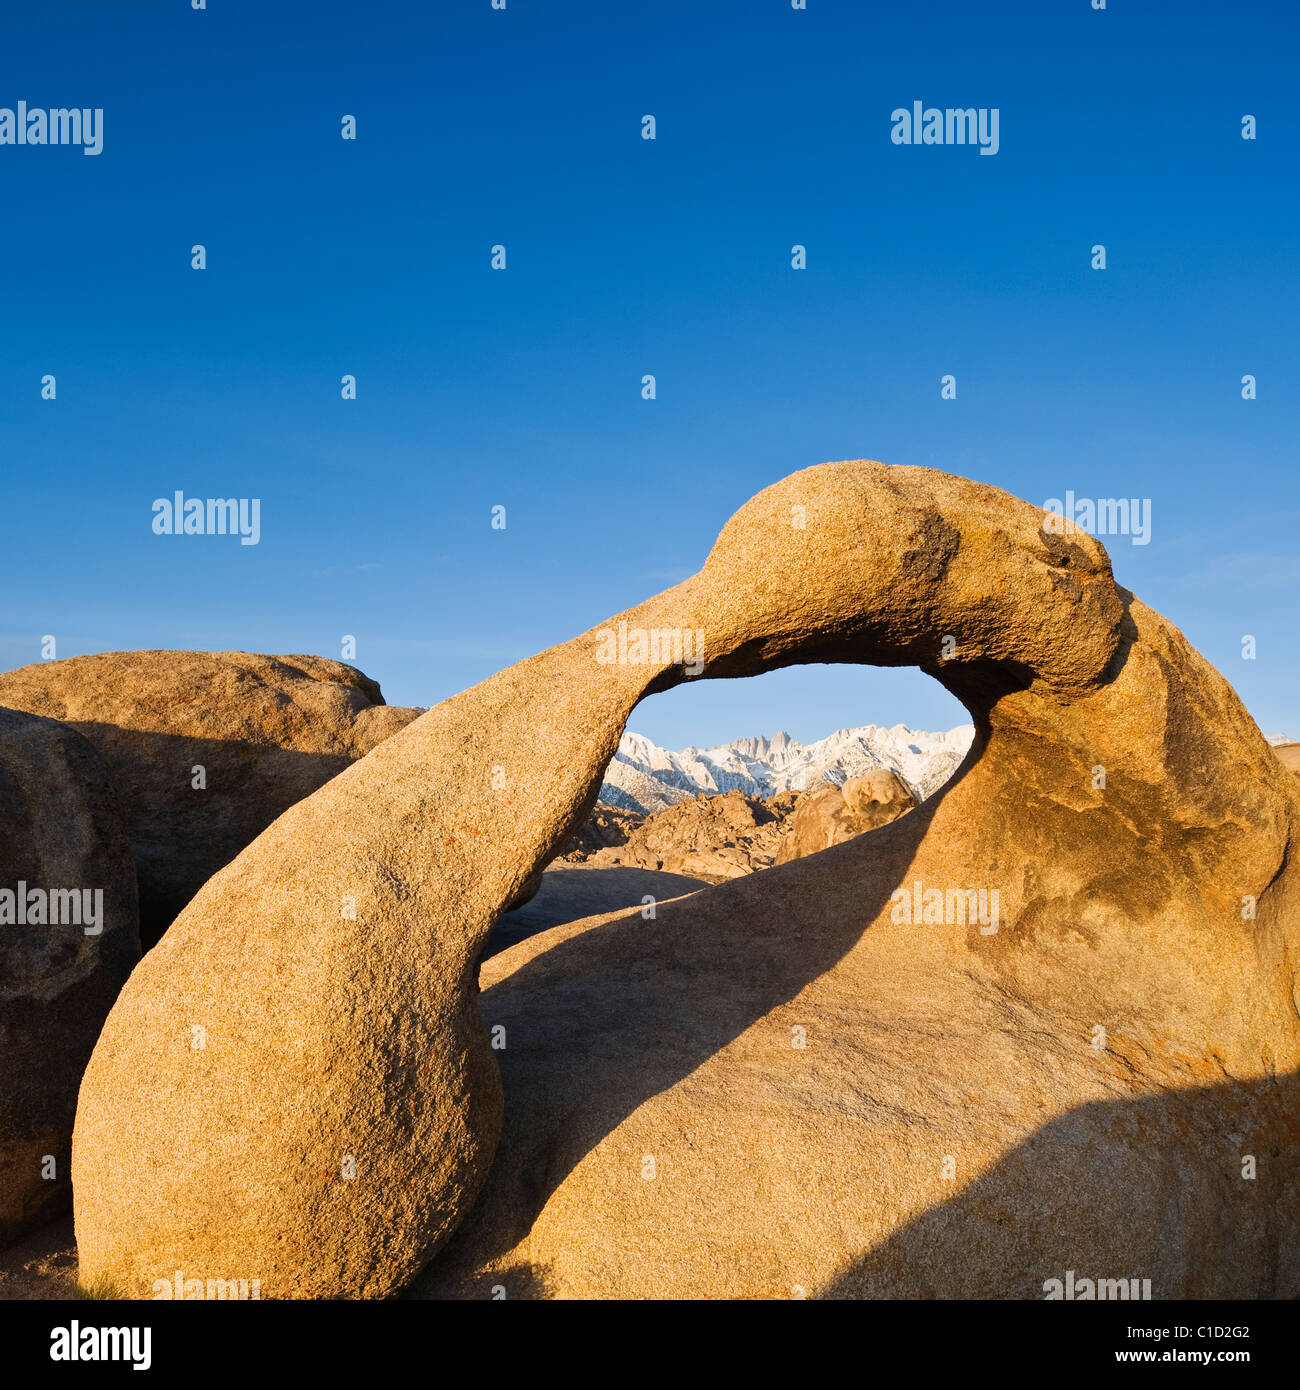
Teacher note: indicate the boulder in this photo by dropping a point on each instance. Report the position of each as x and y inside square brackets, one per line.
[206, 748]
[69, 936]
[832, 1077]
[607, 827]
[830, 815]
[708, 837]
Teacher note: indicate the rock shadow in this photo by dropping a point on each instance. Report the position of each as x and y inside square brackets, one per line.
[1098, 1189]
[568, 895]
[769, 937]
[181, 834]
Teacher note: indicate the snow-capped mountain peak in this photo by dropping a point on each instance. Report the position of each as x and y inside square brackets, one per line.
[645, 777]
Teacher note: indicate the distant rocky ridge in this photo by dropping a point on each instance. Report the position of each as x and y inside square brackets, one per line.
[707, 837]
[716, 837]
[644, 777]
[1287, 750]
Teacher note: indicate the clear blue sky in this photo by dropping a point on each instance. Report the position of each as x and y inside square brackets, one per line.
[627, 257]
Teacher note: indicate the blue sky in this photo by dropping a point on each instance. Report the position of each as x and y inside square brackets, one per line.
[625, 257]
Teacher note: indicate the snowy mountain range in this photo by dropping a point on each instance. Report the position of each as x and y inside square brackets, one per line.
[644, 777]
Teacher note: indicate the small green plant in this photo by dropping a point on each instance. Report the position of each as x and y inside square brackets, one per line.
[102, 1289]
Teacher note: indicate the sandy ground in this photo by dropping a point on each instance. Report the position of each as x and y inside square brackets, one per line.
[43, 1265]
[570, 892]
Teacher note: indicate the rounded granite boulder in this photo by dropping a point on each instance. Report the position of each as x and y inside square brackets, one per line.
[206, 748]
[69, 936]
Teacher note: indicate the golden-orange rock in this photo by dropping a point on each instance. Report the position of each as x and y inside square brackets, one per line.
[766, 1090]
[830, 815]
[206, 748]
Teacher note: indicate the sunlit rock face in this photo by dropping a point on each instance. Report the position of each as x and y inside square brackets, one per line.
[1032, 1026]
[831, 815]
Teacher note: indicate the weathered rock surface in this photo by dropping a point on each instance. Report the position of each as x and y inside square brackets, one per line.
[336, 1045]
[265, 730]
[711, 838]
[716, 837]
[61, 833]
[606, 827]
[831, 815]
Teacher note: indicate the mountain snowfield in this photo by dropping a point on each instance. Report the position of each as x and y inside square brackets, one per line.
[644, 777]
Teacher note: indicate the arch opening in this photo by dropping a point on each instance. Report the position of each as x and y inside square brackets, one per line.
[725, 778]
